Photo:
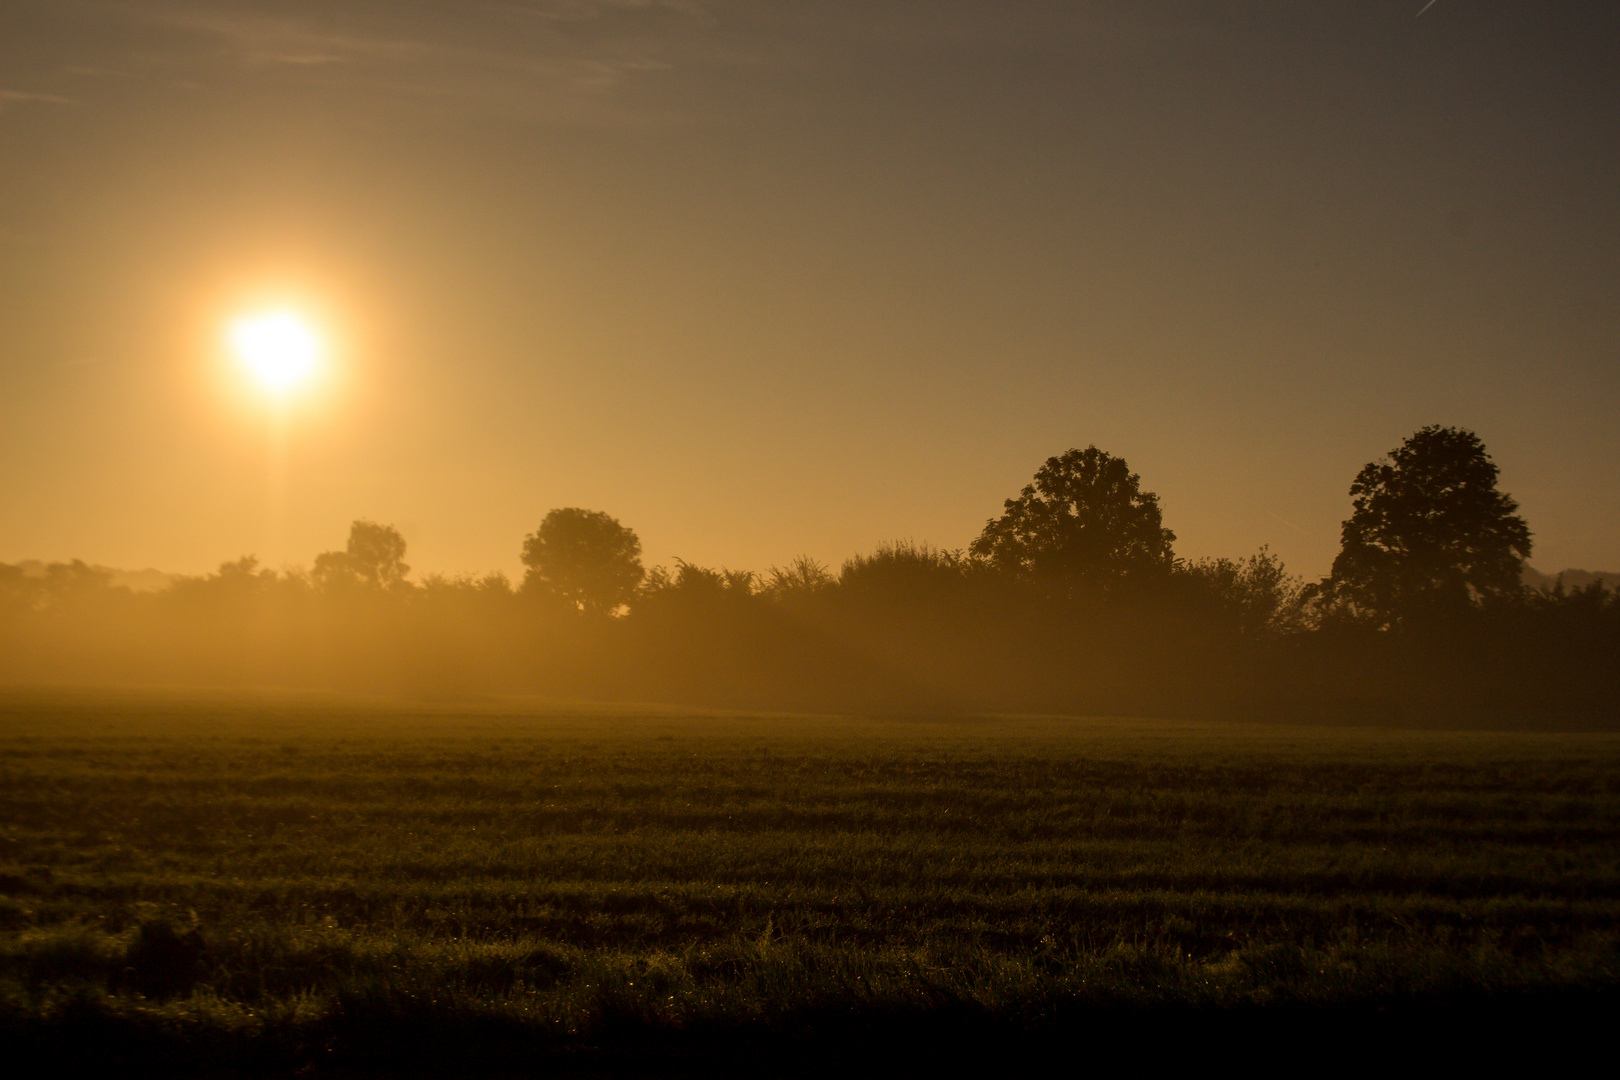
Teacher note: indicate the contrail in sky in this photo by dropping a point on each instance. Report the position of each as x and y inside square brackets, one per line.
[1288, 523]
[1426, 7]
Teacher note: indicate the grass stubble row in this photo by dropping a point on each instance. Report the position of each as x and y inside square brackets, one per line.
[224, 882]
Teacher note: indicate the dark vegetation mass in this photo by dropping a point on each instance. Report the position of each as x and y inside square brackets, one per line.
[1072, 600]
[296, 881]
[195, 884]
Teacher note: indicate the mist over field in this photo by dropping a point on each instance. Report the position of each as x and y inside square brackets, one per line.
[1071, 601]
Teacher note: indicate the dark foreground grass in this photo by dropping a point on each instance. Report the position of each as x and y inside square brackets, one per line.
[270, 884]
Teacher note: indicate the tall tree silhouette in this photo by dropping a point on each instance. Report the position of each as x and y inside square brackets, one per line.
[374, 558]
[584, 557]
[1084, 520]
[1430, 533]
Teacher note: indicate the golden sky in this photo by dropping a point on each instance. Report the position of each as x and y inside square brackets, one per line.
[769, 278]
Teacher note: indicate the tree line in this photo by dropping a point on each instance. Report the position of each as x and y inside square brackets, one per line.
[1071, 599]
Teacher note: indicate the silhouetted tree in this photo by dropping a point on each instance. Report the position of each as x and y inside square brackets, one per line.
[584, 557]
[374, 559]
[492, 587]
[1084, 520]
[1430, 534]
[19, 592]
[802, 579]
[903, 573]
[694, 585]
[235, 583]
[1252, 596]
[76, 583]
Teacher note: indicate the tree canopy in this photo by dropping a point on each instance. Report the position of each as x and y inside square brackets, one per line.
[584, 557]
[1430, 534]
[1083, 520]
[374, 558]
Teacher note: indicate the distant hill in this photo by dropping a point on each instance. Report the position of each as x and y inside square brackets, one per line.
[147, 580]
[1573, 579]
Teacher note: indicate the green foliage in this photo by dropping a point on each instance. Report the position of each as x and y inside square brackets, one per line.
[1430, 535]
[585, 558]
[1083, 524]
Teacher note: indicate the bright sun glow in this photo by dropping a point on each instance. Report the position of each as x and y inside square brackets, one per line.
[281, 349]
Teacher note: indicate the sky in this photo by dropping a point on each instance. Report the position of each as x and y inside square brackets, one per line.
[783, 277]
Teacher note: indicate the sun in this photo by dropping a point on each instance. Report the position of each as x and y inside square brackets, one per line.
[280, 348]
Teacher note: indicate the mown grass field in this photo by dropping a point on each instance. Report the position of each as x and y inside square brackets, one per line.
[222, 883]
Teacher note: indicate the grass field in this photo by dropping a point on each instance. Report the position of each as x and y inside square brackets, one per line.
[221, 883]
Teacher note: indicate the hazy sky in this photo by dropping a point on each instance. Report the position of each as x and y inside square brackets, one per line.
[768, 278]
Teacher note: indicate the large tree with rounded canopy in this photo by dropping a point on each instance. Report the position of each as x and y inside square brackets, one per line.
[1084, 522]
[1429, 535]
[585, 558]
